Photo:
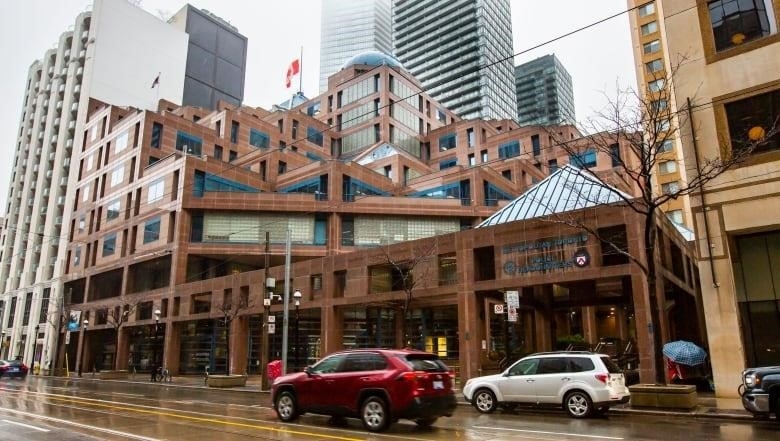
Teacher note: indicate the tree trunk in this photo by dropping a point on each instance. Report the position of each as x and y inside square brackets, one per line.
[227, 346]
[655, 314]
[116, 350]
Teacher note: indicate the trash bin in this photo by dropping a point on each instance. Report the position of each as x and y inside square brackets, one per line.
[274, 370]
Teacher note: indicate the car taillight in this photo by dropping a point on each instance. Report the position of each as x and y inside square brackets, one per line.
[452, 375]
[415, 378]
[602, 378]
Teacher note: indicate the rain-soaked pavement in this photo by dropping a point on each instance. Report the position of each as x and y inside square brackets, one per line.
[46, 408]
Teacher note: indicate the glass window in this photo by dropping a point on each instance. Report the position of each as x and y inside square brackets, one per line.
[234, 131]
[536, 145]
[580, 364]
[112, 209]
[109, 244]
[670, 187]
[121, 142]
[675, 216]
[614, 153]
[190, 144]
[157, 130]
[665, 146]
[218, 152]
[735, 22]
[659, 105]
[584, 159]
[259, 139]
[152, 230]
[156, 190]
[750, 119]
[657, 85]
[553, 365]
[667, 167]
[448, 163]
[552, 164]
[314, 136]
[328, 365]
[117, 176]
[651, 47]
[447, 142]
[510, 149]
[524, 367]
[654, 66]
[646, 9]
[649, 28]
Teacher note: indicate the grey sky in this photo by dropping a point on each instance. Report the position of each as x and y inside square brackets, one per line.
[596, 58]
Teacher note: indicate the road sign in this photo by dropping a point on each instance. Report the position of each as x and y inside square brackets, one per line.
[271, 319]
[498, 308]
[513, 299]
[272, 328]
[67, 338]
[512, 314]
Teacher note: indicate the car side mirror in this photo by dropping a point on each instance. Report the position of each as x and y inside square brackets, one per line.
[307, 369]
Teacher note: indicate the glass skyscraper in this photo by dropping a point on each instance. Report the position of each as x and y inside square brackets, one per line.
[350, 27]
[544, 93]
[453, 48]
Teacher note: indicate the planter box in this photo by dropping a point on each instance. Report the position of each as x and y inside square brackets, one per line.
[673, 396]
[226, 380]
[111, 375]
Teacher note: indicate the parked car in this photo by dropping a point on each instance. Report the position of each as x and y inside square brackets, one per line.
[760, 391]
[378, 386]
[583, 383]
[13, 369]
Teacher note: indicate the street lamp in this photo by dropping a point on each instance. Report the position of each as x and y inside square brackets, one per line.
[297, 296]
[85, 323]
[154, 344]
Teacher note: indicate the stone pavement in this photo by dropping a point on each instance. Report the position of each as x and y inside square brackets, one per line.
[709, 406]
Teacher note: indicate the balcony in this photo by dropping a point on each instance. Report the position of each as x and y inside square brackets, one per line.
[52, 155]
[60, 201]
[59, 105]
[48, 174]
[64, 71]
[61, 88]
[46, 191]
[63, 181]
[84, 35]
[57, 122]
[66, 54]
[66, 162]
[79, 71]
[72, 125]
[58, 220]
[74, 107]
[82, 54]
[69, 143]
[77, 88]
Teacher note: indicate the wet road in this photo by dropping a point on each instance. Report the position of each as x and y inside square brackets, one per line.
[58, 409]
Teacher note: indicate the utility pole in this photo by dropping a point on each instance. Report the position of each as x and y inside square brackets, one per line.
[266, 300]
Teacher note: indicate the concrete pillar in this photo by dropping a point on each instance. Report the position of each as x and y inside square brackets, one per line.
[590, 328]
[171, 348]
[331, 329]
[543, 317]
[644, 330]
[239, 335]
[122, 350]
[469, 340]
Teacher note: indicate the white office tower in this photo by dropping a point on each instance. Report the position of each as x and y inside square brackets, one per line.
[461, 52]
[113, 54]
[351, 27]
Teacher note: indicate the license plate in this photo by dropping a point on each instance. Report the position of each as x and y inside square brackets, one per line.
[438, 385]
[13, 369]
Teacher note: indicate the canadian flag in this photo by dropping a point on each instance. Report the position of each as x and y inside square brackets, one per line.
[293, 70]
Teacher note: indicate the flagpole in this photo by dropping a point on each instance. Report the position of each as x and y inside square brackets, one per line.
[300, 79]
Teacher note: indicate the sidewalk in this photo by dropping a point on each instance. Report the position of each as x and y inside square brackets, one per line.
[709, 406]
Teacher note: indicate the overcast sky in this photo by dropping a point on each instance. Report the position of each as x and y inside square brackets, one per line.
[597, 58]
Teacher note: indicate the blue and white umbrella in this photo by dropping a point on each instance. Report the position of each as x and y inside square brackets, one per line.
[684, 352]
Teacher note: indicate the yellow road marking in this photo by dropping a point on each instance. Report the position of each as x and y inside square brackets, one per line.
[134, 408]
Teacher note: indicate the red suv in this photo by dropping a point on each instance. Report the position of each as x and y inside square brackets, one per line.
[379, 386]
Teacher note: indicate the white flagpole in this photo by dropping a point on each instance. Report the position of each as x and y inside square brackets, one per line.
[300, 78]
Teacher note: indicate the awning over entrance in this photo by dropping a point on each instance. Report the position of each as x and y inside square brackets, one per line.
[567, 189]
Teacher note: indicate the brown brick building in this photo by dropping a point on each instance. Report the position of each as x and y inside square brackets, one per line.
[172, 209]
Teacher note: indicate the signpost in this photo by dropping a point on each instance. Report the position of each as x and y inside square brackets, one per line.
[512, 303]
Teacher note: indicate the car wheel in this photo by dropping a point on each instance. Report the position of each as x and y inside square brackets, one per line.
[578, 404]
[286, 407]
[374, 415]
[425, 422]
[485, 401]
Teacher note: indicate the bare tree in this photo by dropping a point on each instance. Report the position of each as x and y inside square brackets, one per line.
[636, 130]
[58, 318]
[230, 310]
[117, 314]
[408, 272]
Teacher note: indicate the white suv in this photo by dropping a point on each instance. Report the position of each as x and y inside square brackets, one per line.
[583, 383]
